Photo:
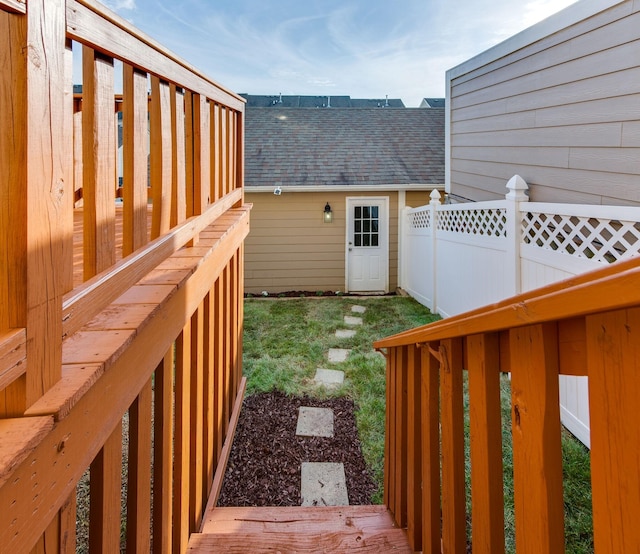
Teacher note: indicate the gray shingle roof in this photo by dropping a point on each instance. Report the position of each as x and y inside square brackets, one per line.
[301, 101]
[433, 103]
[343, 147]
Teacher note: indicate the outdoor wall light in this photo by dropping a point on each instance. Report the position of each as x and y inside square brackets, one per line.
[328, 214]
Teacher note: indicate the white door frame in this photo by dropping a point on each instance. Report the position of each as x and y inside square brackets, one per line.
[384, 235]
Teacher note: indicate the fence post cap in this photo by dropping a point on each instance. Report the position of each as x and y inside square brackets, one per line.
[435, 197]
[517, 188]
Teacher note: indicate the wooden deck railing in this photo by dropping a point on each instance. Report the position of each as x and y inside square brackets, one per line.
[120, 283]
[588, 325]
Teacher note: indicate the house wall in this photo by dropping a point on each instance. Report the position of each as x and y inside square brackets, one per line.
[558, 104]
[414, 199]
[291, 248]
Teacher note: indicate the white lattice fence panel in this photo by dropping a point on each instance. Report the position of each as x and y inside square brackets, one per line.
[598, 239]
[489, 222]
[420, 219]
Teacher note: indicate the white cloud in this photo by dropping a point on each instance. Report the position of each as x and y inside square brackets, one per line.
[118, 5]
[360, 48]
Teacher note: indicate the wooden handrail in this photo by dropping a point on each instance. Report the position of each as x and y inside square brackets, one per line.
[122, 285]
[90, 23]
[90, 298]
[586, 325]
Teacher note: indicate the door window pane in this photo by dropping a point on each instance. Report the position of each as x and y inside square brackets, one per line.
[366, 226]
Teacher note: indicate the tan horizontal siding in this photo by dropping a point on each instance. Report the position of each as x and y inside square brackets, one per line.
[563, 112]
[291, 248]
[415, 198]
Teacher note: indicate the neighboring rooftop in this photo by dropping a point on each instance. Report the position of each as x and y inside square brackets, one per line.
[432, 103]
[343, 147]
[297, 101]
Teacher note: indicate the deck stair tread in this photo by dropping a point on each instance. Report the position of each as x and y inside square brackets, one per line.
[299, 529]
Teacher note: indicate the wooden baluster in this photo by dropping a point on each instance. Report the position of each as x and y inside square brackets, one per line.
[68, 525]
[163, 454]
[182, 441]
[537, 456]
[197, 414]
[613, 355]
[134, 157]
[224, 149]
[233, 325]
[219, 365]
[65, 211]
[239, 181]
[105, 485]
[189, 151]
[430, 415]
[204, 165]
[233, 150]
[400, 431]
[216, 147]
[414, 450]
[178, 159]
[139, 479]
[161, 159]
[487, 513]
[453, 482]
[389, 434]
[208, 393]
[240, 330]
[99, 163]
[228, 332]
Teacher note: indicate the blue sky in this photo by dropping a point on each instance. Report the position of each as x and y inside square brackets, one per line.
[361, 48]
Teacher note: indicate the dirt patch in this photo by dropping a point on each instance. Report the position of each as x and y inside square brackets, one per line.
[264, 465]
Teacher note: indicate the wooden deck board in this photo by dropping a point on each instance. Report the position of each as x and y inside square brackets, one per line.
[367, 528]
[390, 540]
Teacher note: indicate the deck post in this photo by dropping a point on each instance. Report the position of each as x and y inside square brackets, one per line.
[433, 208]
[517, 194]
[37, 191]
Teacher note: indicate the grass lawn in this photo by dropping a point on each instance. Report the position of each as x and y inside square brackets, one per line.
[286, 340]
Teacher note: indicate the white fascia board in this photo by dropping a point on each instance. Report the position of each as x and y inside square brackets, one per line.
[351, 188]
[571, 15]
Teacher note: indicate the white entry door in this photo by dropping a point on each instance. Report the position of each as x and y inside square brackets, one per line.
[367, 258]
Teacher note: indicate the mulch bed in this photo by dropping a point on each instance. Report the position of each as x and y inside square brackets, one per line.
[264, 465]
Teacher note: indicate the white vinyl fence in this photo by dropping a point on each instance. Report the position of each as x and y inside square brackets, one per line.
[458, 257]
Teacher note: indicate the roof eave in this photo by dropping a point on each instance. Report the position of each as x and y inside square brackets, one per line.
[345, 188]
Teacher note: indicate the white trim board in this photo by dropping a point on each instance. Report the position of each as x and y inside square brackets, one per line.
[372, 189]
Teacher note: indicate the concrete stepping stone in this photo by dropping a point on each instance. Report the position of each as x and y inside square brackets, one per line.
[329, 377]
[337, 355]
[315, 422]
[358, 309]
[351, 320]
[323, 484]
[345, 333]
